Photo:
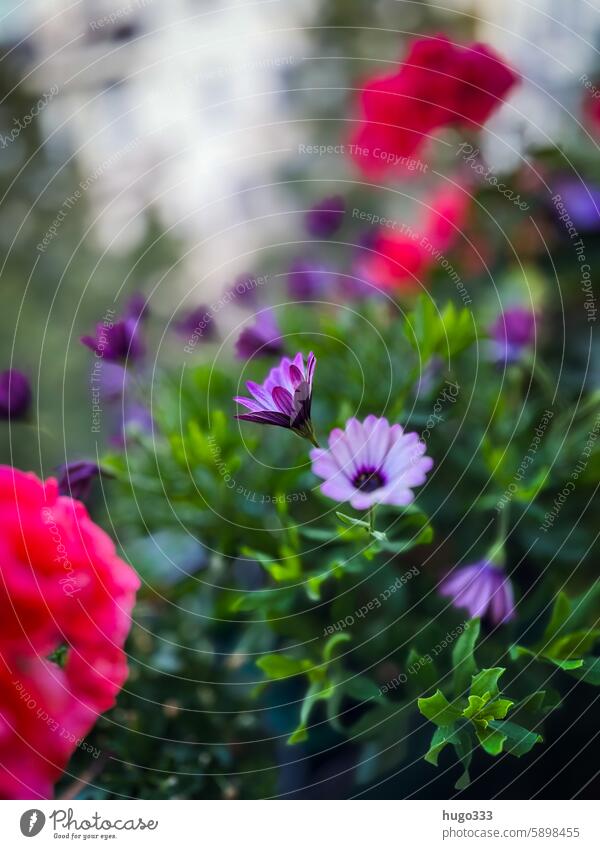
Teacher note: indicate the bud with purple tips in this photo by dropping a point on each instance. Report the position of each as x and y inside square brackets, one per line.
[75, 479]
[285, 398]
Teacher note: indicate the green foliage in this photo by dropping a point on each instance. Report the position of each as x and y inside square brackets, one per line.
[479, 713]
[565, 643]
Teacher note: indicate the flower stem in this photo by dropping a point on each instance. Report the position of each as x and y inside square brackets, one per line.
[496, 554]
[371, 519]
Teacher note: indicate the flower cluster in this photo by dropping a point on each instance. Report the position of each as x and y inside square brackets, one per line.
[439, 84]
[66, 600]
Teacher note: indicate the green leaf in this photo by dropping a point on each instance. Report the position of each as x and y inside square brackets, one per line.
[589, 671]
[332, 643]
[572, 645]
[475, 706]
[438, 709]
[463, 658]
[289, 569]
[519, 740]
[443, 736]
[533, 708]
[361, 688]
[464, 750]
[560, 613]
[460, 739]
[486, 681]
[498, 708]
[351, 521]
[279, 666]
[491, 739]
[318, 691]
[375, 721]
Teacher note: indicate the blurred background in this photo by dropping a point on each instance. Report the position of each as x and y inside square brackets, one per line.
[167, 148]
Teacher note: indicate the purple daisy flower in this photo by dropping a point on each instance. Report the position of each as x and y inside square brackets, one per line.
[325, 218]
[483, 589]
[284, 399]
[15, 394]
[260, 340]
[117, 342]
[512, 333]
[371, 462]
[75, 479]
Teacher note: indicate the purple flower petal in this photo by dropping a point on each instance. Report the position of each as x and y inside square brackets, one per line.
[361, 454]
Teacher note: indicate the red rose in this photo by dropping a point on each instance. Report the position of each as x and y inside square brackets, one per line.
[63, 588]
[439, 84]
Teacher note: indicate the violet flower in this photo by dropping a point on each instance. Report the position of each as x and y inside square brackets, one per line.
[75, 479]
[198, 324]
[325, 218]
[307, 280]
[582, 202]
[483, 589]
[245, 288]
[261, 340]
[371, 462]
[137, 307]
[284, 399]
[512, 333]
[118, 341]
[15, 394]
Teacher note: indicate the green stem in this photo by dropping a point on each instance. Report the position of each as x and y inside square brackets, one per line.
[371, 519]
[496, 553]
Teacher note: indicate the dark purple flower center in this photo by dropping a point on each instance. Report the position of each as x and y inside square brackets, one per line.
[368, 480]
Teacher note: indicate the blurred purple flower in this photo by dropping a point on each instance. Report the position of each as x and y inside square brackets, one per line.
[582, 202]
[197, 324]
[307, 280]
[75, 479]
[483, 589]
[513, 332]
[15, 394]
[110, 379]
[325, 218]
[137, 307]
[429, 377]
[134, 417]
[245, 288]
[120, 341]
[261, 340]
[371, 462]
[285, 398]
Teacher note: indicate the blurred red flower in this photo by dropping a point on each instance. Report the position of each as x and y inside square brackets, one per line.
[66, 601]
[399, 259]
[439, 84]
